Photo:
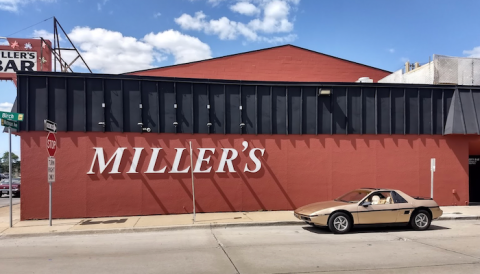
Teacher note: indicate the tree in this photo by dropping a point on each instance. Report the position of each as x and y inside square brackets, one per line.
[4, 163]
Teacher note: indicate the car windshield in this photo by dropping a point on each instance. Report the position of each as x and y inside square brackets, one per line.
[353, 196]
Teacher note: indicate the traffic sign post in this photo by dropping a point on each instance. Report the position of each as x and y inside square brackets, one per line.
[432, 170]
[9, 124]
[12, 116]
[51, 128]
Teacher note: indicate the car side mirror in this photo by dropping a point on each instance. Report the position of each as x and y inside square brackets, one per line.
[366, 204]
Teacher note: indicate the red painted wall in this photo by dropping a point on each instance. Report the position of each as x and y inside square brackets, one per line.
[296, 170]
[286, 63]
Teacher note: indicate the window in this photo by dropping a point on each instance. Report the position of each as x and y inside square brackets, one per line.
[353, 197]
[397, 198]
[380, 198]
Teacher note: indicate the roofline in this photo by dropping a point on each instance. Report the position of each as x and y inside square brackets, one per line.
[234, 82]
[257, 50]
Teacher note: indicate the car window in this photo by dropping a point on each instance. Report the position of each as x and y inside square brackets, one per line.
[380, 198]
[353, 196]
[397, 198]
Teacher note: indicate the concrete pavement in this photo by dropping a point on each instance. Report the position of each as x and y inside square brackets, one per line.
[450, 246]
[5, 201]
[170, 222]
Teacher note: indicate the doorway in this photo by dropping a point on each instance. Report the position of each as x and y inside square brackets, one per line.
[474, 178]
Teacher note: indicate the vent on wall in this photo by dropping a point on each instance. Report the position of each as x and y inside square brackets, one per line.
[364, 80]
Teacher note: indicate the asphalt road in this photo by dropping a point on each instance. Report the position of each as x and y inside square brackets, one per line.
[449, 247]
[4, 201]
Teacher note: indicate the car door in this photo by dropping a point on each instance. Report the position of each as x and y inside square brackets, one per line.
[382, 211]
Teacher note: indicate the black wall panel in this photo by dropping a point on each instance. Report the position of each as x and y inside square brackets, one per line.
[248, 110]
[149, 98]
[167, 107]
[232, 109]
[76, 102]
[294, 110]
[170, 105]
[279, 107]
[217, 108]
[200, 111]
[114, 105]
[309, 110]
[57, 96]
[264, 110]
[131, 106]
[398, 113]
[369, 111]
[354, 111]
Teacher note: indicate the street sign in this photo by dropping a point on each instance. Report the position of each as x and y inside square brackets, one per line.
[50, 126]
[12, 116]
[10, 124]
[51, 144]
[51, 169]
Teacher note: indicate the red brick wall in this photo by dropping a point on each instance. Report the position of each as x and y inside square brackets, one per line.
[287, 63]
[296, 170]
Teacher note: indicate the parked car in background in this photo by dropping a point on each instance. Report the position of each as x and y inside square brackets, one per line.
[4, 187]
[371, 206]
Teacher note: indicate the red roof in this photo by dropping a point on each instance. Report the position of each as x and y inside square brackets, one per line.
[283, 63]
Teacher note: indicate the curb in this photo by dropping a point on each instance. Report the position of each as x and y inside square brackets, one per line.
[150, 229]
[184, 227]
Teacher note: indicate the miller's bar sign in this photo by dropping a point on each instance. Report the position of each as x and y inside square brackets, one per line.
[13, 61]
[228, 155]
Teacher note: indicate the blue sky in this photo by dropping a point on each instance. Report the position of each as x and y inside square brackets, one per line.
[118, 36]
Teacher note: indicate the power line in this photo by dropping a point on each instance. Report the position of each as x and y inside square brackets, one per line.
[30, 26]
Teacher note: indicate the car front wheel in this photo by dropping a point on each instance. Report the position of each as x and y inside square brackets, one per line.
[340, 223]
[421, 220]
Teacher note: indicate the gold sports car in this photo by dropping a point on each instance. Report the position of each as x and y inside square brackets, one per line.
[367, 206]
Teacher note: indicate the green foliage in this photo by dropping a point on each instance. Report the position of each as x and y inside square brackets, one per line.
[4, 163]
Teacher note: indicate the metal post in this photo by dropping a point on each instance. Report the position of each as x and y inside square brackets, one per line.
[50, 203]
[193, 184]
[432, 170]
[10, 171]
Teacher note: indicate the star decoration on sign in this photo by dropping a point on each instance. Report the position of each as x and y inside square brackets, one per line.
[28, 46]
[14, 45]
[42, 59]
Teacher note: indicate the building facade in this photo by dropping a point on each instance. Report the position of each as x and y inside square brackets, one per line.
[129, 144]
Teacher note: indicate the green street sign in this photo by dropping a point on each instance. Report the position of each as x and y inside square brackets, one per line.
[12, 116]
[10, 124]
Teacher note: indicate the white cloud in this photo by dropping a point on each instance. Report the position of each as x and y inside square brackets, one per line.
[272, 17]
[6, 106]
[14, 5]
[245, 8]
[392, 50]
[474, 53]
[101, 4]
[215, 2]
[110, 52]
[156, 15]
[184, 48]
[43, 33]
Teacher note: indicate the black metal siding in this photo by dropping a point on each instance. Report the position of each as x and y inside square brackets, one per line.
[74, 102]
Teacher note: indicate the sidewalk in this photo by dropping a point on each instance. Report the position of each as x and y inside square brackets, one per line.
[172, 222]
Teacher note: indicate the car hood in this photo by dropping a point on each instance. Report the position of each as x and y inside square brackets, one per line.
[311, 208]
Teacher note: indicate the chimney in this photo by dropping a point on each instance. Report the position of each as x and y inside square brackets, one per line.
[407, 67]
[417, 65]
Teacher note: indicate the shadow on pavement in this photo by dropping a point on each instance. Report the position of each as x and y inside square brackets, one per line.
[371, 229]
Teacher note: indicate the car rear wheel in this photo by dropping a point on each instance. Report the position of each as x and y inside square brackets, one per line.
[420, 220]
[340, 223]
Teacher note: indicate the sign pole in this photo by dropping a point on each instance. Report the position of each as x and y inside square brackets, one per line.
[10, 171]
[193, 184]
[432, 170]
[50, 203]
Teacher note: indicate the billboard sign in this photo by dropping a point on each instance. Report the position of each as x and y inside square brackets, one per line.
[19, 54]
